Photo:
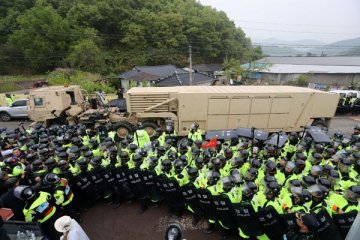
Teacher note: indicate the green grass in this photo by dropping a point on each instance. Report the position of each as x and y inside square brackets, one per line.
[8, 87]
[20, 78]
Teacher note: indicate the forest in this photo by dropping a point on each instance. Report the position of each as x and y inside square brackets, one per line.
[111, 36]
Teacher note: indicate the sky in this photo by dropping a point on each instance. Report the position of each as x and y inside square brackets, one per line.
[323, 20]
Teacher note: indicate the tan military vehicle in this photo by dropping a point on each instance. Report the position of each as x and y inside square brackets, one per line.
[270, 108]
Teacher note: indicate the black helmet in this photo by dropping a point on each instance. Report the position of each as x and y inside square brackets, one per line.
[137, 158]
[178, 166]
[23, 192]
[62, 164]
[133, 147]
[249, 189]
[270, 167]
[316, 171]
[155, 143]
[74, 153]
[193, 173]
[212, 177]
[89, 155]
[184, 159]
[299, 165]
[237, 162]
[161, 151]
[227, 183]
[96, 161]
[171, 155]
[50, 163]
[51, 179]
[93, 143]
[30, 158]
[308, 181]
[236, 177]
[153, 161]
[183, 148]
[251, 174]
[324, 182]
[352, 194]
[228, 153]
[273, 188]
[254, 162]
[124, 156]
[84, 149]
[199, 162]
[166, 165]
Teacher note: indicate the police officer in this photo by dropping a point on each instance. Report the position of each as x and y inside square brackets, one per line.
[195, 132]
[62, 193]
[39, 208]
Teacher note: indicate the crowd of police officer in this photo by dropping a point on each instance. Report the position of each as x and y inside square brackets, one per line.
[300, 189]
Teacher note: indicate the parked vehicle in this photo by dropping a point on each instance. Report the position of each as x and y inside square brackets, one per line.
[16, 110]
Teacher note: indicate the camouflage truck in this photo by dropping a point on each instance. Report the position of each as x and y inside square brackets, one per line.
[270, 108]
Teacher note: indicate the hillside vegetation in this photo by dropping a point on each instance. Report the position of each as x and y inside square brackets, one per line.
[105, 36]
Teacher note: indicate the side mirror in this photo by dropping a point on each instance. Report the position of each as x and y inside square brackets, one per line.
[53, 111]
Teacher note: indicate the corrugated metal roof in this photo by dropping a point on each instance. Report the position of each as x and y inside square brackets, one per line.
[290, 68]
[329, 61]
[220, 89]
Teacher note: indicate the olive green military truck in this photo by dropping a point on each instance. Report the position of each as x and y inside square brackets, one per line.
[270, 108]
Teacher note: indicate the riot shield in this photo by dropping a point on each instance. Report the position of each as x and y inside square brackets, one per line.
[344, 222]
[205, 200]
[278, 140]
[318, 135]
[220, 134]
[149, 179]
[247, 219]
[137, 186]
[248, 133]
[122, 183]
[188, 192]
[274, 225]
[224, 211]
[327, 229]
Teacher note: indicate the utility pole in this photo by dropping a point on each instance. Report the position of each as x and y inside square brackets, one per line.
[190, 60]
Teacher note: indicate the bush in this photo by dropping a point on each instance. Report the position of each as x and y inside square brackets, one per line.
[8, 87]
[89, 82]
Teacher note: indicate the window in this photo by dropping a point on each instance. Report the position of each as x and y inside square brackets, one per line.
[20, 103]
[38, 102]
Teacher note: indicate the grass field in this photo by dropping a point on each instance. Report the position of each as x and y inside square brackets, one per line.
[13, 83]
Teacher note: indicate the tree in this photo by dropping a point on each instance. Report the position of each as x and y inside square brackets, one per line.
[87, 56]
[232, 68]
[42, 37]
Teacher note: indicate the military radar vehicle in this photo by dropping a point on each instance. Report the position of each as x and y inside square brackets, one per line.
[269, 108]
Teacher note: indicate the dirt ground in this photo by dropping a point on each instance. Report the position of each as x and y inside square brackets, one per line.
[123, 223]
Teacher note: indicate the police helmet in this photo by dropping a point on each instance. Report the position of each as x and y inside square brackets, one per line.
[193, 173]
[23, 192]
[166, 165]
[51, 179]
[249, 189]
[213, 177]
[227, 183]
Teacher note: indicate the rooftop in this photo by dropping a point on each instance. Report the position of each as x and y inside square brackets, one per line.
[329, 61]
[290, 68]
[183, 79]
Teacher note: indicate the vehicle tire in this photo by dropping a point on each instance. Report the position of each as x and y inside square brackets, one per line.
[5, 117]
[150, 128]
[122, 129]
[319, 123]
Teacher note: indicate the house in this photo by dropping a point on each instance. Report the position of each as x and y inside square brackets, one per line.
[212, 70]
[162, 76]
[146, 76]
[183, 79]
[335, 72]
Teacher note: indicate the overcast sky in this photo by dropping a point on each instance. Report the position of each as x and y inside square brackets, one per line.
[323, 20]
